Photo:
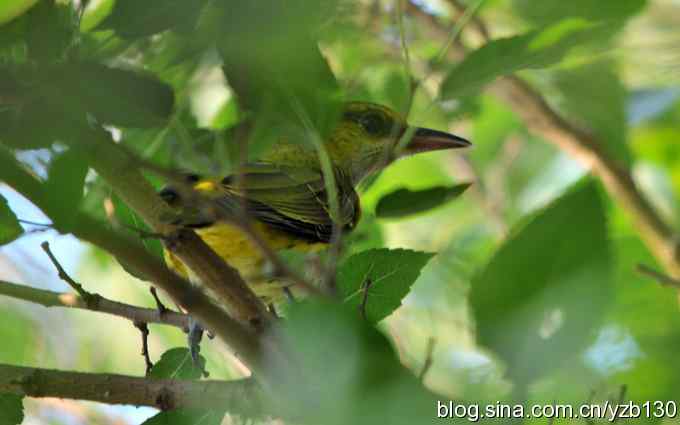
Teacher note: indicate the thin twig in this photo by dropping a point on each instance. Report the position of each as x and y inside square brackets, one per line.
[104, 305]
[33, 223]
[128, 182]
[162, 309]
[144, 330]
[658, 276]
[429, 358]
[477, 23]
[88, 297]
[542, 119]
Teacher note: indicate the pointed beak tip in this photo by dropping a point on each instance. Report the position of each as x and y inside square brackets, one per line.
[426, 140]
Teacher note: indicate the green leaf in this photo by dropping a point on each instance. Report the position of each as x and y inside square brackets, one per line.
[494, 122]
[10, 229]
[345, 368]
[10, 9]
[406, 202]
[546, 289]
[551, 11]
[11, 409]
[275, 66]
[176, 364]
[50, 31]
[21, 341]
[595, 96]
[64, 187]
[127, 217]
[388, 274]
[115, 96]
[535, 49]
[186, 417]
[135, 19]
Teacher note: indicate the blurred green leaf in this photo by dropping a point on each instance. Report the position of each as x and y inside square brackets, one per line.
[367, 235]
[186, 417]
[546, 289]
[10, 229]
[378, 279]
[127, 217]
[20, 341]
[494, 122]
[273, 63]
[10, 9]
[50, 31]
[595, 96]
[136, 19]
[95, 12]
[346, 369]
[64, 187]
[11, 409]
[406, 202]
[115, 96]
[176, 364]
[551, 11]
[535, 49]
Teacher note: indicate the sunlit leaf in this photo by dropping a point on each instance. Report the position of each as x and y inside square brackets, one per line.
[535, 49]
[547, 288]
[375, 281]
[10, 229]
[10, 9]
[11, 409]
[176, 363]
[406, 202]
[551, 11]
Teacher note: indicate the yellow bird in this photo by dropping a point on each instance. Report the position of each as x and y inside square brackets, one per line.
[285, 194]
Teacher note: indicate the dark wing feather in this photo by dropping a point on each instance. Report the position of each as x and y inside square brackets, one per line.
[292, 200]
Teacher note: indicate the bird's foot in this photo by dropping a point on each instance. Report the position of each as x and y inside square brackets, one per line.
[194, 337]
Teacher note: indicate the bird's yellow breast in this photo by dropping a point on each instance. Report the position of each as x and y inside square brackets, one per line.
[240, 252]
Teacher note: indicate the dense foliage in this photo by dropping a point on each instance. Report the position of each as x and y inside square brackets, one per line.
[533, 268]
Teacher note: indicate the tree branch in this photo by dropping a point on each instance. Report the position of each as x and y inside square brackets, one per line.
[240, 397]
[120, 169]
[240, 338]
[101, 305]
[544, 121]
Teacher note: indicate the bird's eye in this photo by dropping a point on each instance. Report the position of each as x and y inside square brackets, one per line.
[374, 124]
[193, 178]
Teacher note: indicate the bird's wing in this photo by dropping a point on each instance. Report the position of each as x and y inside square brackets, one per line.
[292, 199]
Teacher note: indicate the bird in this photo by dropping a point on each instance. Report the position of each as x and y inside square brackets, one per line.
[284, 196]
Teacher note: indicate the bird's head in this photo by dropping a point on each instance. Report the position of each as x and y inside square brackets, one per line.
[367, 134]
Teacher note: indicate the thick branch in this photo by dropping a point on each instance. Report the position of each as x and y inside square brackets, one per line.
[241, 397]
[121, 171]
[99, 304]
[133, 253]
[542, 120]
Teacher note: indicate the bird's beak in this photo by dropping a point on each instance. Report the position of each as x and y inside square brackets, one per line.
[426, 140]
